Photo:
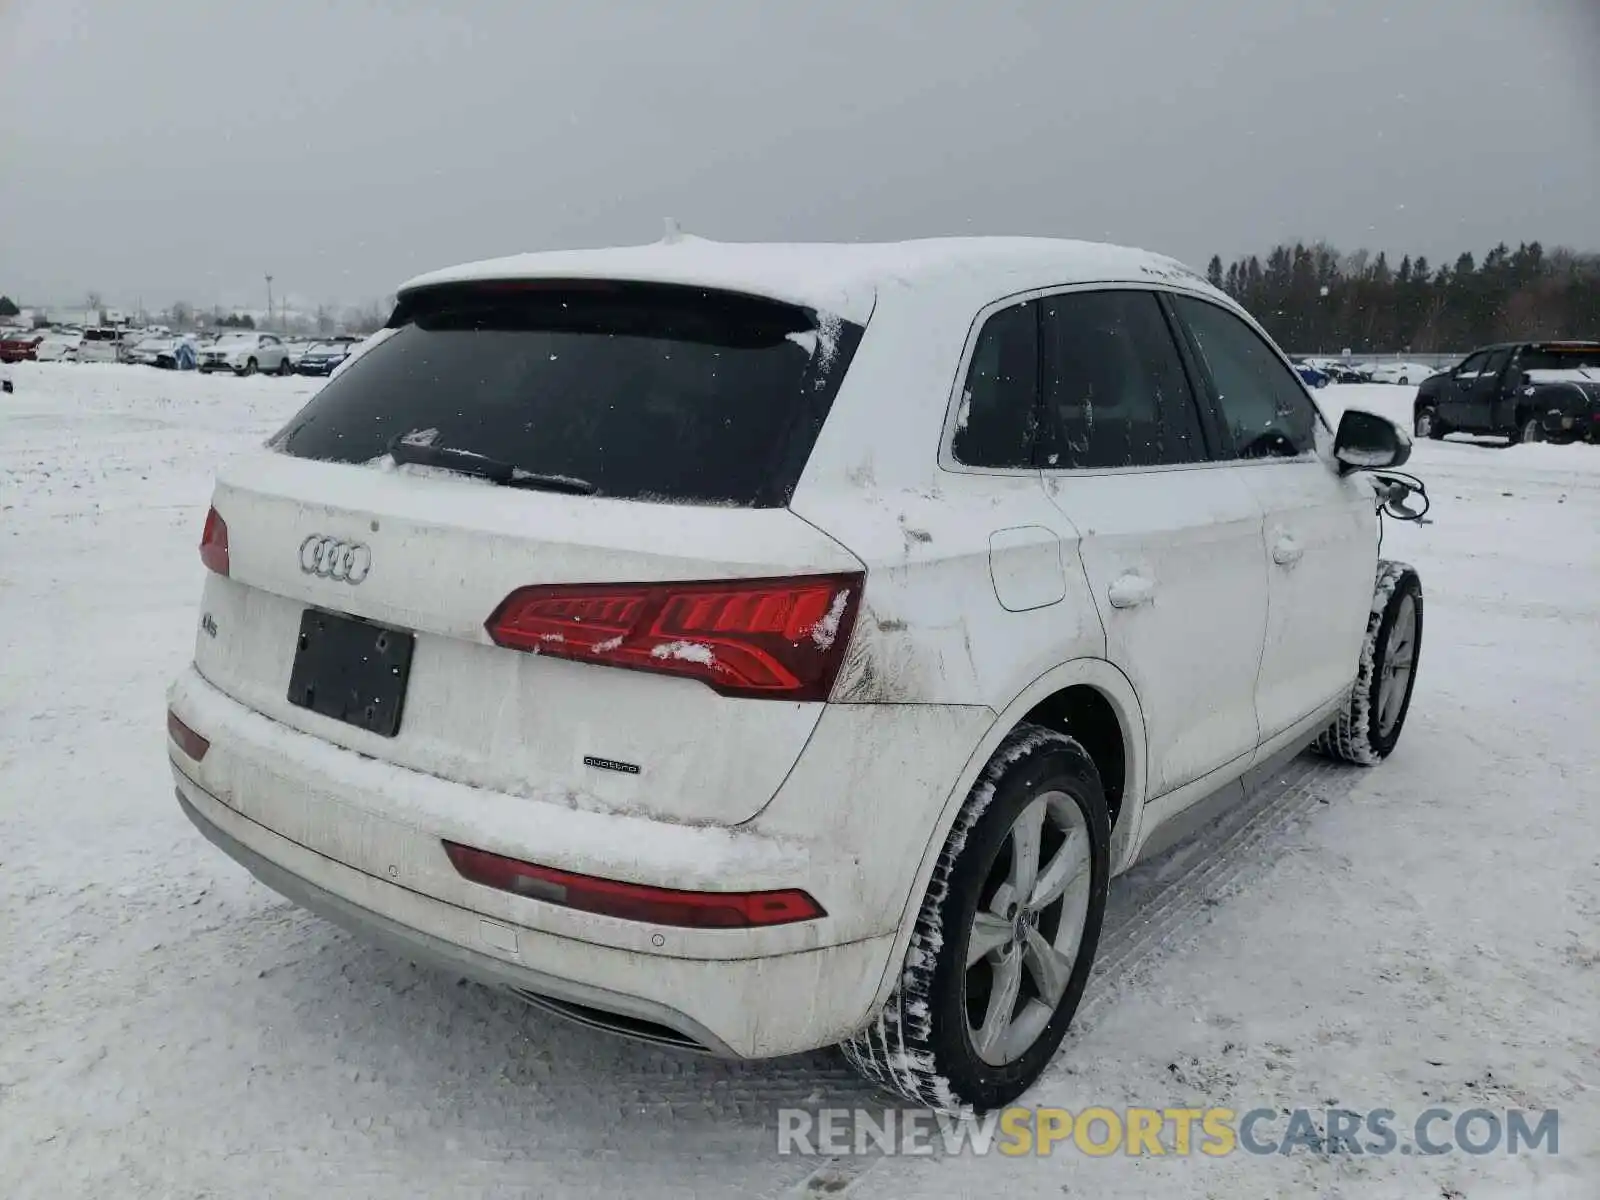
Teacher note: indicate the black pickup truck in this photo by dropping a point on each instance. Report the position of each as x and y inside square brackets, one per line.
[1524, 391]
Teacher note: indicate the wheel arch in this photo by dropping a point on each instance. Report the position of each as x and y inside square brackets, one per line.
[1532, 403]
[1073, 689]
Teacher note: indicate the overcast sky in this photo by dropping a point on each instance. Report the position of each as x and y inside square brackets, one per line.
[167, 149]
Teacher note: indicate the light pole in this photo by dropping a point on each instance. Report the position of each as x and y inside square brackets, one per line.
[269, 300]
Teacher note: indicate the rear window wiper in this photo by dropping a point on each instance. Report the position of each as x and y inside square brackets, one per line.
[408, 448]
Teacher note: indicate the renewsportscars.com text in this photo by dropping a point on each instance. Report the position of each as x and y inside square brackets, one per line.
[1214, 1132]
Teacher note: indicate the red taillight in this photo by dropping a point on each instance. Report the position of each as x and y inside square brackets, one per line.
[782, 639]
[633, 901]
[190, 742]
[214, 543]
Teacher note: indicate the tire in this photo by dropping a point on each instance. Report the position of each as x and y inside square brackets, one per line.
[924, 1044]
[250, 367]
[1530, 430]
[1369, 727]
[1405, 381]
[1427, 423]
[285, 367]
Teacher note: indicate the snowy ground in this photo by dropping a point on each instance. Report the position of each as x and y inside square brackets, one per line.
[1425, 933]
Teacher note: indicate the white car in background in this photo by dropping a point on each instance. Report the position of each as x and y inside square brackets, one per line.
[532, 646]
[143, 351]
[163, 351]
[246, 353]
[1404, 373]
[59, 347]
[100, 345]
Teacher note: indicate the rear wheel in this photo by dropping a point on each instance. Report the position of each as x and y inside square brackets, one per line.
[1006, 936]
[285, 367]
[1368, 728]
[1428, 424]
[1531, 429]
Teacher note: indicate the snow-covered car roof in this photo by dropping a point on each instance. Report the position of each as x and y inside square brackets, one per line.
[840, 278]
[1565, 375]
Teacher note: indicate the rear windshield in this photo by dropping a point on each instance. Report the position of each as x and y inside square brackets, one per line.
[645, 391]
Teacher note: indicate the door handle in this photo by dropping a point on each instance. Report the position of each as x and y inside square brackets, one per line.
[1130, 591]
[1286, 551]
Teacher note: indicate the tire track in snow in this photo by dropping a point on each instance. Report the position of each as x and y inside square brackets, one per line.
[1151, 903]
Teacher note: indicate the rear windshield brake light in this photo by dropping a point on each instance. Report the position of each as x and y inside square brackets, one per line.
[781, 639]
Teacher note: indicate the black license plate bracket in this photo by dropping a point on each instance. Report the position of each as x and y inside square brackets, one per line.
[352, 670]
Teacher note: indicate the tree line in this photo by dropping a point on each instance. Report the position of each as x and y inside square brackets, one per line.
[1313, 298]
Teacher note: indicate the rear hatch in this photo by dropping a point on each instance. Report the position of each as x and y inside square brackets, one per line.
[537, 540]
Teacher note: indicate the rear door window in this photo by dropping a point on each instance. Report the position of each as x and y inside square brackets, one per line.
[997, 416]
[1496, 364]
[1264, 408]
[1115, 393]
[645, 391]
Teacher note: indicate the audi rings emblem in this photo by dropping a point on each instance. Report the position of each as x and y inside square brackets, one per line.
[329, 558]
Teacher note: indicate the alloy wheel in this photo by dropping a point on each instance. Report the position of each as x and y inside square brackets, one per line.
[1399, 660]
[1028, 928]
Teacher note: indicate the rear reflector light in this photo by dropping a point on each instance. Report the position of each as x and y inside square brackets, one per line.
[633, 901]
[214, 543]
[781, 639]
[190, 742]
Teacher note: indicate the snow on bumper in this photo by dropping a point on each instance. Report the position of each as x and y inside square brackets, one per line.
[360, 841]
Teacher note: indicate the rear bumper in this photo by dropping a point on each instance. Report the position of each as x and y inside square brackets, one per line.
[738, 1008]
[358, 841]
[675, 1028]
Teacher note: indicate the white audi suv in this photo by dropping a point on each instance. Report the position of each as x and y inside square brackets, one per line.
[754, 648]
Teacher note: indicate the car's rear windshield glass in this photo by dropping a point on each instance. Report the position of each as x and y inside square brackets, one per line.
[645, 391]
[1559, 358]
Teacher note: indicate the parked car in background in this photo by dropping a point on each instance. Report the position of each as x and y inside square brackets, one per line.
[168, 352]
[143, 352]
[99, 345]
[1402, 373]
[246, 353]
[20, 346]
[295, 348]
[1312, 376]
[361, 346]
[59, 346]
[639, 700]
[1344, 373]
[323, 358]
[1523, 391]
[180, 355]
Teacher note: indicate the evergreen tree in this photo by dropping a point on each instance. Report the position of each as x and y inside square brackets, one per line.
[1311, 298]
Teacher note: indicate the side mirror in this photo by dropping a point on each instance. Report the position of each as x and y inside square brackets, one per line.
[1366, 442]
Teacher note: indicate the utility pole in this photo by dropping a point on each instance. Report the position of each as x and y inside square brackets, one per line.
[269, 299]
